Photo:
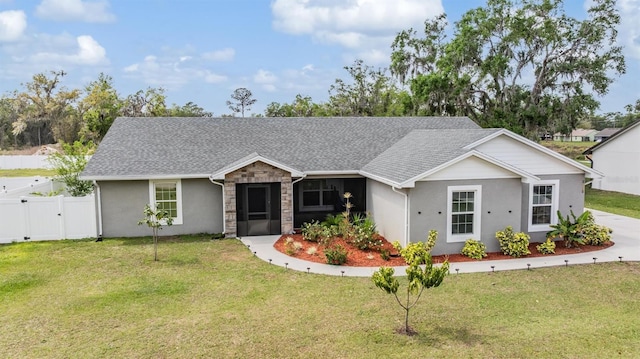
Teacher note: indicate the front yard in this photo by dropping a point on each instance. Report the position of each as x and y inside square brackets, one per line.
[214, 299]
[613, 202]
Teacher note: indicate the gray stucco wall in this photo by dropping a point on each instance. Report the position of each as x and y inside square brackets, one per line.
[123, 202]
[500, 208]
[571, 199]
[387, 209]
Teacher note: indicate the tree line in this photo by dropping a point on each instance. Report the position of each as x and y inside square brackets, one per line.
[45, 112]
[524, 65]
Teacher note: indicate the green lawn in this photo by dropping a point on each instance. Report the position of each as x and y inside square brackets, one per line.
[213, 299]
[570, 149]
[26, 172]
[613, 202]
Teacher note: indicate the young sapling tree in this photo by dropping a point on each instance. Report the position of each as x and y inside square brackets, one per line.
[155, 218]
[421, 275]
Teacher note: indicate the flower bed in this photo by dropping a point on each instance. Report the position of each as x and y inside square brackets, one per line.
[372, 258]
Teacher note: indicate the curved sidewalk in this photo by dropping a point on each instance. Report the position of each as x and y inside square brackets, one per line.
[626, 235]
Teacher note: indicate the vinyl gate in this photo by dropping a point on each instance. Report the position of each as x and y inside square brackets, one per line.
[47, 218]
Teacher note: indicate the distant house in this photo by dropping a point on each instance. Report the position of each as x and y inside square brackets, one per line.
[248, 176]
[618, 159]
[577, 135]
[605, 133]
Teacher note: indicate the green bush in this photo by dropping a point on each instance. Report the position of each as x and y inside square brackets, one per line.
[364, 234]
[336, 255]
[582, 230]
[311, 231]
[474, 249]
[547, 247]
[596, 235]
[385, 254]
[513, 244]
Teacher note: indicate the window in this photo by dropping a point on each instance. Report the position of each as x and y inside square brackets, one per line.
[463, 213]
[318, 195]
[167, 195]
[543, 205]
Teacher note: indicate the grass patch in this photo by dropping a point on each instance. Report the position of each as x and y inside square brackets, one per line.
[27, 172]
[613, 202]
[570, 149]
[203, 298]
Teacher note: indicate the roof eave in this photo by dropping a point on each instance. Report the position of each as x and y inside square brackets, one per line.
[143, 177]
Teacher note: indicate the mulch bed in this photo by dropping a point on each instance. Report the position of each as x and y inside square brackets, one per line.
[371, 258]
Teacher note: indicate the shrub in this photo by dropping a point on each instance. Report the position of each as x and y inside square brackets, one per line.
[385, 254]
[365, 234]
[547, 247]
[513, 244]
[313, 231]
[312, 250]
[582, 230]
[474, 249]
[596, 235]
[567, 230]
[291, 247]
[336, 224]
[336, 255]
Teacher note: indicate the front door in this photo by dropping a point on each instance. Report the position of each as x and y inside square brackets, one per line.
[258, 209]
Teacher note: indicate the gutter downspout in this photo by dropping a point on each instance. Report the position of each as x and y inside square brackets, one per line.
[224, 216]
[99, 205]
[406, 214]
[293, 196]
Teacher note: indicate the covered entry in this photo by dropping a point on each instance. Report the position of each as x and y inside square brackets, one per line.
[258, 208]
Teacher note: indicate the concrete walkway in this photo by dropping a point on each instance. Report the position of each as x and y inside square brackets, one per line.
[626, 235]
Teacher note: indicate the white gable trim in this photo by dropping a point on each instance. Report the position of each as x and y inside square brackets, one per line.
[589, 171]
[252, 158]
[526, 176]
[383, 180]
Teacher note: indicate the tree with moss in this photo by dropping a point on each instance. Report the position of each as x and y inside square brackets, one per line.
[421, 275]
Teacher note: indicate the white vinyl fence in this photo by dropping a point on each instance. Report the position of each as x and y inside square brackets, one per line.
[14, 162]
[18, 187]
[47, 218]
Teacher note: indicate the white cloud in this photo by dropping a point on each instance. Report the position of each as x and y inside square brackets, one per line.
[629, 32]
[226, 54]
[213, 78]
[75, 10]
[88, 52]
[264, 77]
[350, 22]
[12, 25]
[171, 71]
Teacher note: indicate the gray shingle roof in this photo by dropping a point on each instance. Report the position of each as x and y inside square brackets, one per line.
[421, 151]
[188, 147]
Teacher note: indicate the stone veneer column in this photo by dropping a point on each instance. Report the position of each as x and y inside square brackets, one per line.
[258, 172]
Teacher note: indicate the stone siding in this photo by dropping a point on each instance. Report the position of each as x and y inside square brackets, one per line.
[258, 172]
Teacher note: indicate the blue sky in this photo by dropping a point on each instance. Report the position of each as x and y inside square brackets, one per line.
[201, 50]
